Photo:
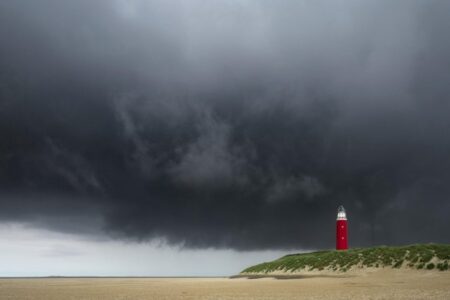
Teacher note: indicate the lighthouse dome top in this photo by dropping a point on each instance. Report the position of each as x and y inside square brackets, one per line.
[341, 215]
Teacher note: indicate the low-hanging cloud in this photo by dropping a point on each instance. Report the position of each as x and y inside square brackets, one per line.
[227, 124]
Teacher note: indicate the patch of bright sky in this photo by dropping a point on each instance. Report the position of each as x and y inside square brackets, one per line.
[26, 251]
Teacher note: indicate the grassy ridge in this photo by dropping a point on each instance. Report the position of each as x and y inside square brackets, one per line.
[423, 256]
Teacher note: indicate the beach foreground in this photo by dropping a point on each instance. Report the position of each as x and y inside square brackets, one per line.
[382, 284]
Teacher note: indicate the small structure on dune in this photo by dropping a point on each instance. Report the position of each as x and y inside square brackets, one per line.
[341, 229]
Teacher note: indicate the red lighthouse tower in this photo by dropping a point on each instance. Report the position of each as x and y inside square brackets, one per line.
[341, 229]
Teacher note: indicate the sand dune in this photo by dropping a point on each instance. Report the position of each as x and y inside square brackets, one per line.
[383, 284]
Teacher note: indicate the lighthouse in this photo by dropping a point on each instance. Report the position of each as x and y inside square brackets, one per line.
[341, 229]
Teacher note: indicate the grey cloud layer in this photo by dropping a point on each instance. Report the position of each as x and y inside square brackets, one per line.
[239, 124]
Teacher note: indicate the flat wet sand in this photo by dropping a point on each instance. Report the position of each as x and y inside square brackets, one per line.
[384, 284]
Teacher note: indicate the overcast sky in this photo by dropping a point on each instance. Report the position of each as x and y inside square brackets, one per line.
[223, 130]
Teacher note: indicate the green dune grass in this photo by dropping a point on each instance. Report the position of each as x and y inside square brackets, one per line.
[421, 256]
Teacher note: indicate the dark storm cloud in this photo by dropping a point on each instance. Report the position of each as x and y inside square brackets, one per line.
[240, 124]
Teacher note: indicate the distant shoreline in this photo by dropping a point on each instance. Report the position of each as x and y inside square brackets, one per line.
[106, 277]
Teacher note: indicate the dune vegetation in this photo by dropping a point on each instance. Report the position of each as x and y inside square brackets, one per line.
[421, 256]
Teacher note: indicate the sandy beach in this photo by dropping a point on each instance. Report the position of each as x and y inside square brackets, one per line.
[383, 284]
